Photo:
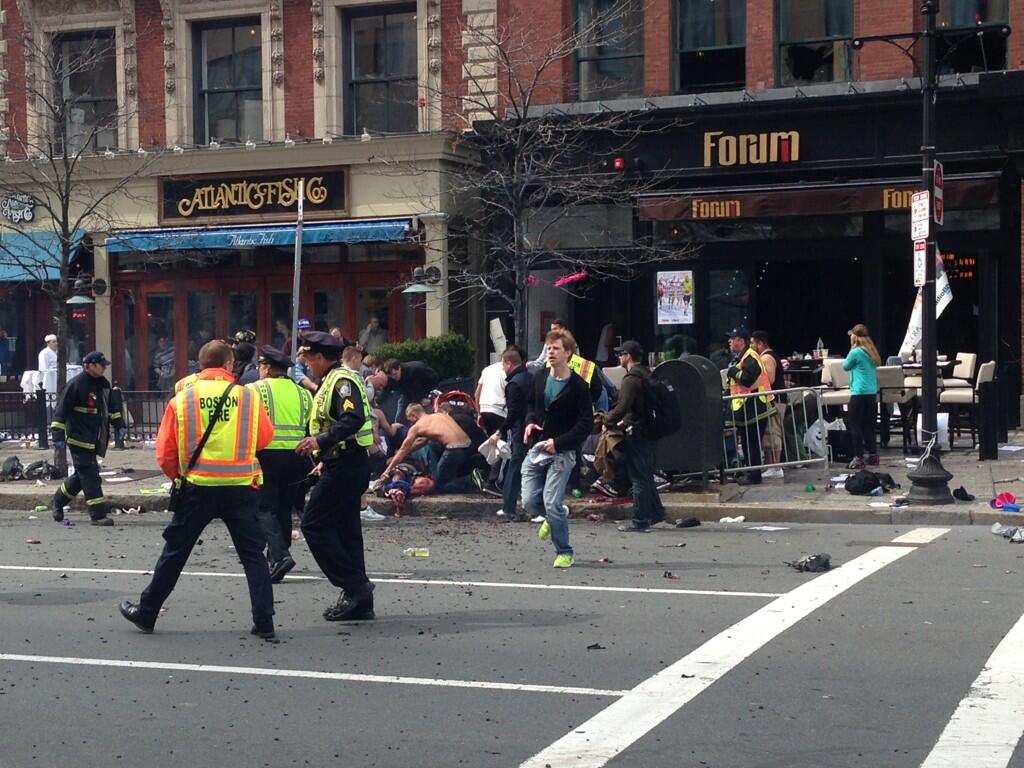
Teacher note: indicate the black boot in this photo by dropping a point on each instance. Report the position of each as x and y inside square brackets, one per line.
[280, 568]
[133, 613]
[355, 607]
[57, 505]
[98, 514]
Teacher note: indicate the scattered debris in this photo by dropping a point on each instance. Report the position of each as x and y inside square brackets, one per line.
[767, 528]
[597, 517]
[687, 522]
[738, 519]
[1014, 533]
[595, 647]
[961, 494]
[68, 523]
[812, 563]
[669, 575]
[33, 517]
[604, 560]
[416, 552]
[674, 546]
[33, 541]
[1005, 501]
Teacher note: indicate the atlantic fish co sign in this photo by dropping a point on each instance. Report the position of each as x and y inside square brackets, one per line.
[256, 197]
[726, 150]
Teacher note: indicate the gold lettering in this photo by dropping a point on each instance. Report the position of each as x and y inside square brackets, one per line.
[254, 195]
[709, 145]
[751, 148]
[715, 209]
[893, 199]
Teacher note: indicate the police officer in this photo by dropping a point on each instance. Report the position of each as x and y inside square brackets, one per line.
[339, 434]
[222, 484]
[284, 471]
[82, 421]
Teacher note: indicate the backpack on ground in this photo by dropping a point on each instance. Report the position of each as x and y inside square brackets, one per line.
[12, 469]
[663, 415]
[865, 482]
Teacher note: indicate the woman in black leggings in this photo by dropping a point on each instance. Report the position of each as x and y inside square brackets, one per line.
[861, 363]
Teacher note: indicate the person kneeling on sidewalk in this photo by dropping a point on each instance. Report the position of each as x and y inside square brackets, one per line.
[559, 418]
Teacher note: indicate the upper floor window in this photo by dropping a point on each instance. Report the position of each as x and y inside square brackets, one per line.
[228, 73]
[382, 70]
[981, 47]
[610, 56]
[85, 80]
[814, 41]
[712, 44]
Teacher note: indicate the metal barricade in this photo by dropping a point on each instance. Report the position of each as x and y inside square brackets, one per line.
[26, 416]
[143, 412]
[761, 435]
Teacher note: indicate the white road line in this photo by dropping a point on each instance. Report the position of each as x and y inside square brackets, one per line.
[615, 728]
[985, 729]
[426, 582]
[309, 674]
[920, 536]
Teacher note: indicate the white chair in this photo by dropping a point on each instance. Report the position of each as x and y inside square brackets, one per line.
[960, 397]
[963, 373]
[892, 392]
[838, 382]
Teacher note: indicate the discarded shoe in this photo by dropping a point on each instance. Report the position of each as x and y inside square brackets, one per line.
[961, 494]
[813, 563]
[687, 522]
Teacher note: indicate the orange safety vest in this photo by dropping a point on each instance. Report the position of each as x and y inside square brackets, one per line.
[761, 384]
[229, 456]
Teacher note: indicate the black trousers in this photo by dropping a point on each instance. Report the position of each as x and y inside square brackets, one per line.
[236, 506]
[639, 459]
[86, 480]
[331, 521]
[861, 423]
[284, 473]
[514, 476]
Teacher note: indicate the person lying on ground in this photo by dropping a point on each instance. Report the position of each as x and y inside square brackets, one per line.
[454, 467]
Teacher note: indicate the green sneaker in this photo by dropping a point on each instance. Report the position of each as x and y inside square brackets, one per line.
[544, 532]
[563, 561]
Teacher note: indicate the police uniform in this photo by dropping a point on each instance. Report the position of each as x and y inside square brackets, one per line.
[85, 412]
[340, 422]
[284, 471]
[222, 484]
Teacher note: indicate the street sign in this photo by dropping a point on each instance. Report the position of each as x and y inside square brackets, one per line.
[920, 255]
[920, 215]
[938, 193]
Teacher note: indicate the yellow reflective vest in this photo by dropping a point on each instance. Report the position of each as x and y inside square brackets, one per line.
[289, 407]
[321, 417]
[229, 456]
[761, 384]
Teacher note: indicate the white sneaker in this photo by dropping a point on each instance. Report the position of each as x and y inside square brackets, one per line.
[500, 513]
[539, 519]
[775, 473]
[370, 514]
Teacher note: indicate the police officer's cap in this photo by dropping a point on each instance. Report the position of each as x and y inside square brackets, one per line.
[275, 357]
[324, 343]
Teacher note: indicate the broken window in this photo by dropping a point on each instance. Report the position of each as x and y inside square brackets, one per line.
[814, 41]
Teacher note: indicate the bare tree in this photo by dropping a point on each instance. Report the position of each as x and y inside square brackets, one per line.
[537, 180]
[66, 170]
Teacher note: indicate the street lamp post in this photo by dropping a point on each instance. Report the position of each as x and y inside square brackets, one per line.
[930, 480]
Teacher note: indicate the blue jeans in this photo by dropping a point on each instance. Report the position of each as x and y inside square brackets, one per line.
[452, 474]
[544, 490]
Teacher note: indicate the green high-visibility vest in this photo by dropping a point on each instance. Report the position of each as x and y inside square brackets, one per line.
[289, 407]
[321, 417]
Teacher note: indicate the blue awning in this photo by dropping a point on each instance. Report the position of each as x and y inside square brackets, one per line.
[236, 238]
[33, 255]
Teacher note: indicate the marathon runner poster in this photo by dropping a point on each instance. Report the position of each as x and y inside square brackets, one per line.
[675, 298]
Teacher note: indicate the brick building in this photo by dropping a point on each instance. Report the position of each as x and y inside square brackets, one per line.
[788, 169]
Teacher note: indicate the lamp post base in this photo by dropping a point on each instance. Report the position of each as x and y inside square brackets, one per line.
[930, 483]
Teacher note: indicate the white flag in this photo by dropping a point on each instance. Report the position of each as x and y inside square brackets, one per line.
[943, 298]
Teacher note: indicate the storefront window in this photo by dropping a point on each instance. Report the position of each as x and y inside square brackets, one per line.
[202, 322]
[242, 311]
[728, 301]
[228, 81]
[982, 46]
[125, 377]
[86, 82]
[373, 302]
[610, 59]
[814, 41]
[12, 333]
[160, 341]
[281, 310]
[383, 71]
[328, 309]
[712, 44]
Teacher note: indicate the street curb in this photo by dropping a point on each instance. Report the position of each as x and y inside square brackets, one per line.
[706, 507]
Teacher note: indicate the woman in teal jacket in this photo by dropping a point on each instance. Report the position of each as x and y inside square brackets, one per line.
[861, 363]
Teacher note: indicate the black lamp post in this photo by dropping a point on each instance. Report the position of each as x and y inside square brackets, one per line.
[930, 480]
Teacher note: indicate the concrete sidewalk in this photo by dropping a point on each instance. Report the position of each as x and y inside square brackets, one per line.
[137, 484]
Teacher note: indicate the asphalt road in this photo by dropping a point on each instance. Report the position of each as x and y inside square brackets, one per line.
[708, 654]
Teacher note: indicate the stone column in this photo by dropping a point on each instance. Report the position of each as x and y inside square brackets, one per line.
[104, 331]
[435, 228]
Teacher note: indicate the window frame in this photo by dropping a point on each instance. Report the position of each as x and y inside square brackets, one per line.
[970, 31]
[350, 83]
[200, 111]
[579, 59]
[60, 81]
[781, 44]
[679, 51]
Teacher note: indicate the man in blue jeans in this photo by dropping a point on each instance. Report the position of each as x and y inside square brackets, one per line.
[559, 418]
[450, 438]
